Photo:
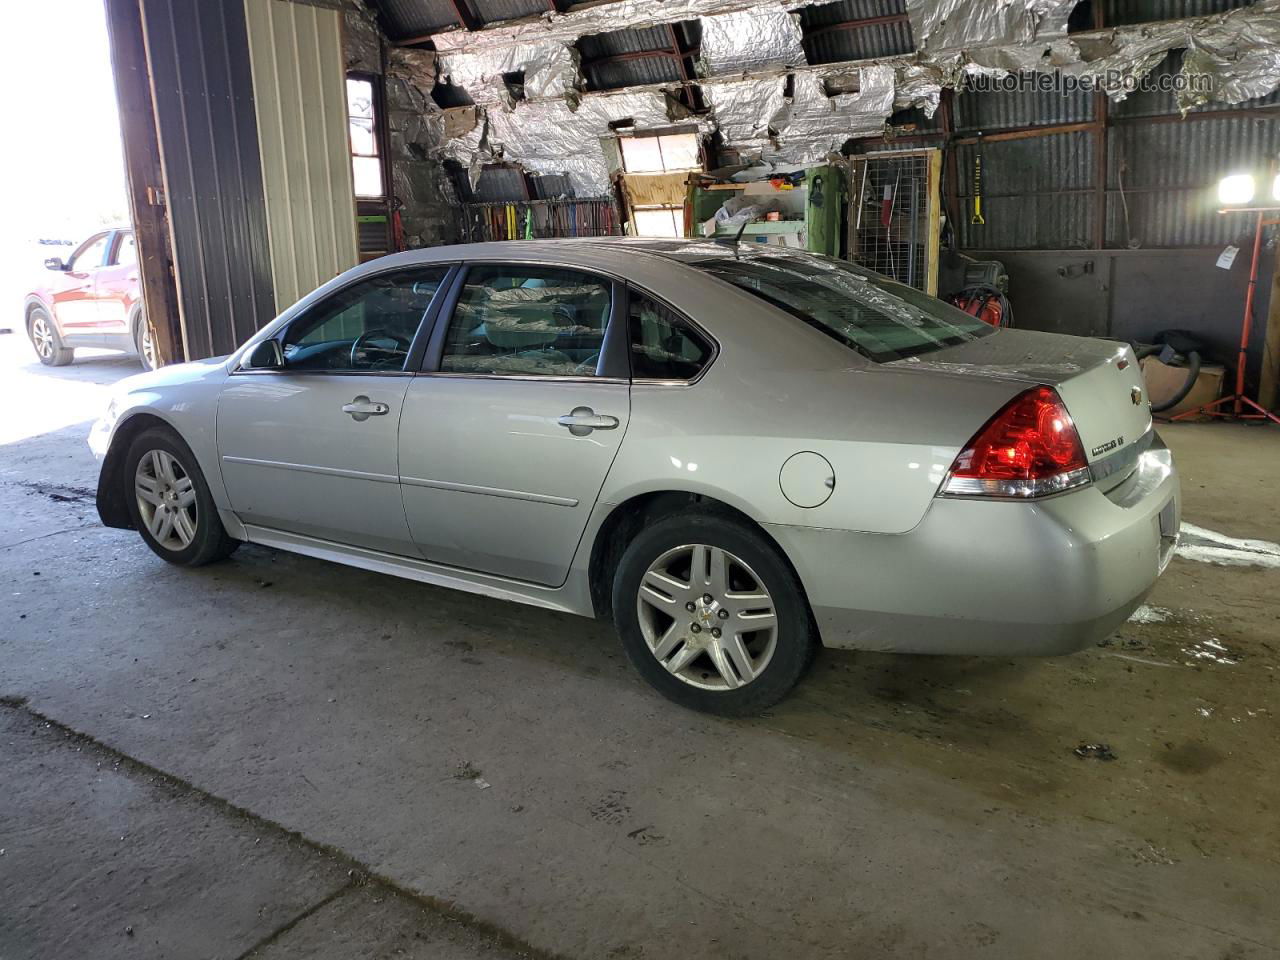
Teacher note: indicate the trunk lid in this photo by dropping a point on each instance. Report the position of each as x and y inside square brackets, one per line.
[1099, 380]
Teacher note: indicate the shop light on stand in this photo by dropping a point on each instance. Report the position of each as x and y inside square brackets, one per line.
[1238, 193]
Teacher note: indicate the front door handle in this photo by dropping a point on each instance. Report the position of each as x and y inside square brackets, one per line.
[583, 420]
[362, 408]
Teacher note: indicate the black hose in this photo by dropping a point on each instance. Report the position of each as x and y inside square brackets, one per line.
[1193, 372]
[1192, 357]
[1143, 351]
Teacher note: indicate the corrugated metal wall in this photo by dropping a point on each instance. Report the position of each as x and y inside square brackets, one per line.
[199, 58]
[1037, 193]
[299, 88]
[1041, 191]
[1117, 12]
[990, 111]
[413, 18]
[603, 72]
[824, 42]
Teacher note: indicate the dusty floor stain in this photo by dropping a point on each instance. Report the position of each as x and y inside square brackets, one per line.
[1209, 546]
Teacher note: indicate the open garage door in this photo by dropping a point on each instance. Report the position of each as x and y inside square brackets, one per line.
[234, 119]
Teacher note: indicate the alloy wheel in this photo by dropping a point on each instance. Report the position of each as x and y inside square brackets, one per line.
[166, 499]
[148, 347]
[42, 337]
[707, 617]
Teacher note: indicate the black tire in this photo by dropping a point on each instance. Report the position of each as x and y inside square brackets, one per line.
[211, 541]
[53, 352]
[795, 643]
[139, 326]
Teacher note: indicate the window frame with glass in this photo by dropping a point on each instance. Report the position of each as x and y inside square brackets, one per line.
[612, 365]
[123, 238]
[681, 319]
[637, 166]
[373, 117]
[825, 280]
[73, 262]
[417, 344]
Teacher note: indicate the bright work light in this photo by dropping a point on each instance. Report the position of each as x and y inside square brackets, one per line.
[1236, 189]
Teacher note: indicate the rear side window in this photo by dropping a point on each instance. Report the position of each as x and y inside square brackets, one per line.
[879, 318]
[528, 321]
[663, 345]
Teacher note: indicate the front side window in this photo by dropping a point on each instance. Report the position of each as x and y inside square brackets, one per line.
[369, 325]
[663, 345]
[528, 321]
[89, 257]
[879, 318]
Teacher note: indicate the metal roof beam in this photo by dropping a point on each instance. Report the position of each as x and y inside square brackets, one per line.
[855, 24]
[466, 17]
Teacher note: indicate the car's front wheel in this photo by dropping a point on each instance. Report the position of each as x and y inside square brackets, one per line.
[46, 340]
[170, 501]
[711, 615]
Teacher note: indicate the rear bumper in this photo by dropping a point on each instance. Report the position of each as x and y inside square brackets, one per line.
[995, 577]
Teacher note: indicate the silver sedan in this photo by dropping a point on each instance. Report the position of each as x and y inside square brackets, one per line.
[736, 454]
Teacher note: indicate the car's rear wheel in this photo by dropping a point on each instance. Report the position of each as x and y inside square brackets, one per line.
[46, 340]
[143, 341]
[711, 615]
[170, 502]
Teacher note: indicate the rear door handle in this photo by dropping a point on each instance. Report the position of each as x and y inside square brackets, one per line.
[582, 420]
[362, 408]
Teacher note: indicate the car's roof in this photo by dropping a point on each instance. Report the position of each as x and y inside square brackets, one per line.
[685, 250]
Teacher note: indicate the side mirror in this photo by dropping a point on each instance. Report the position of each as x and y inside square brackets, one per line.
[265, 356]
[55, 263]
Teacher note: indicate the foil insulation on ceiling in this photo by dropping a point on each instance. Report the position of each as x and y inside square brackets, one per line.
[1230, 57]
[605, 18]
[750, 41]
[552, 137]
[747, 48]
[743, 109]
[1240, 56]
[815, 123]
[362, 41]
[936, 24]
[550, 69]
[954, 24]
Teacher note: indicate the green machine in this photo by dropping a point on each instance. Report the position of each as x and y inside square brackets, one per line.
[801, 210]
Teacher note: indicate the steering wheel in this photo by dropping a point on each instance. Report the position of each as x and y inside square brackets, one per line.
[400, 341]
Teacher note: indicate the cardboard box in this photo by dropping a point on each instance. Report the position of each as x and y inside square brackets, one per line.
[1163, 381]
[459, 121]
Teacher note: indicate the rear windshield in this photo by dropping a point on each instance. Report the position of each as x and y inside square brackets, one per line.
[879, 318]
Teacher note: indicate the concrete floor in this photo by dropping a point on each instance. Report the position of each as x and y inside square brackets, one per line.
[279, 757]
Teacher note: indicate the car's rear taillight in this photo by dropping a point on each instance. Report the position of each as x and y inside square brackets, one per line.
[1029, 449]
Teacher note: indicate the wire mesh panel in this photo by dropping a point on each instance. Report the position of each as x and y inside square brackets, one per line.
[531, 219]
[893, 216]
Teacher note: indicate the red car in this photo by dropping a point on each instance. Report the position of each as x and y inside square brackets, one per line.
[93, 300]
